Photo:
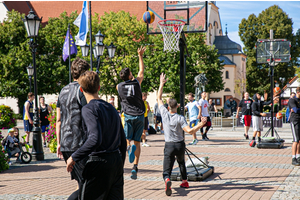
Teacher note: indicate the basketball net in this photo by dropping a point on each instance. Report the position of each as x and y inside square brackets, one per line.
[171, 29]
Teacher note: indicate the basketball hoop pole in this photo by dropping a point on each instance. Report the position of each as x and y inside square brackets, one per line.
[182, 76]
[272, 64]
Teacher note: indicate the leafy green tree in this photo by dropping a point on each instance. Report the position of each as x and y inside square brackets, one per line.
[15, 56]
[255, 28]
[121, 28]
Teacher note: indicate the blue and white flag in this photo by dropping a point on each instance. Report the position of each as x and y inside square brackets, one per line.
[82, 22]
[66, 46]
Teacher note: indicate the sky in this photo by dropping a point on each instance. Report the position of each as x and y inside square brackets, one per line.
[232, 13]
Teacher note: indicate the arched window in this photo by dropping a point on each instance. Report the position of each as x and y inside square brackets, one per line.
[227, 75]
[227, 90]
[216, 28]
[210, 33]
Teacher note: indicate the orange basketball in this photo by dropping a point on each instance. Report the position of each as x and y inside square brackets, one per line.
[277, 90]
[279, 115]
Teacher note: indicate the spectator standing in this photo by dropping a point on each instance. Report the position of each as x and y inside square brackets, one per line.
[157, 117]
[69, 131]
[193, 114]
[203, 112]
[105, 146]
[294, 106]
[146, 122]
[45, 109]
[246, 106]
[28, 115]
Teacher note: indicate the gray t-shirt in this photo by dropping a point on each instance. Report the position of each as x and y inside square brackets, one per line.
[173, 125]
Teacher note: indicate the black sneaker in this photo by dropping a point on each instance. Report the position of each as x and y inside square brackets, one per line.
[206, 138]
[295, 162]
[246, 136]
[298, 159]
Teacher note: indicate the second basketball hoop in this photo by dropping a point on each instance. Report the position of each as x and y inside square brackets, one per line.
[171, 29]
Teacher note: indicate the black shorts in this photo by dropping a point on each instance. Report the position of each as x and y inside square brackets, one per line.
[158, 119]
[78, 167]
[146, 123]
[295, 126]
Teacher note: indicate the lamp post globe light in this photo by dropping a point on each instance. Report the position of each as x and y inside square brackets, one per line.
[30, 72]
[98, 50]
[32, 24]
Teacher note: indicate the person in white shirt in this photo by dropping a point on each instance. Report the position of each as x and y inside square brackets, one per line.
[203, 112]
[193, 114]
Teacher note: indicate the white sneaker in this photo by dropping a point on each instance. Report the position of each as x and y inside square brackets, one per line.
[145, 145]
[195, 141]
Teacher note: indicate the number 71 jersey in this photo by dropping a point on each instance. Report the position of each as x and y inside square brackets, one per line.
[130, 94]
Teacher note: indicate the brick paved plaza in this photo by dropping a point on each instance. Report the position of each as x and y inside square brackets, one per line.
[246, 173]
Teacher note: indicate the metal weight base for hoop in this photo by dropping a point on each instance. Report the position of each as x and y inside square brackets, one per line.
[270, 142]
[194, 173]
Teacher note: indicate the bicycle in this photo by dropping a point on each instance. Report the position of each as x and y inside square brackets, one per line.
[25, 155]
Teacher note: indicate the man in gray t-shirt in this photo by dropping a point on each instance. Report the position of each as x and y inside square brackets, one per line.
[174, 126]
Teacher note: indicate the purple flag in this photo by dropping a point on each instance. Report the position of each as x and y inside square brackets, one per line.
[66, 46]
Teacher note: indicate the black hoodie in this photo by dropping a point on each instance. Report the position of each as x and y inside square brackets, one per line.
[257, 107]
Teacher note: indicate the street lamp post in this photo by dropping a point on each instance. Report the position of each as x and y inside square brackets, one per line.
[32, 25]
[98, 49]
[30, 72]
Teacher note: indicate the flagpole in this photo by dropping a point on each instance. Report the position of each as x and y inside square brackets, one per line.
[91, 47]
[69, 54]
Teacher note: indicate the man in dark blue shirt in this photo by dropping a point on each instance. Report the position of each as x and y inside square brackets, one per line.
[294, 106]
[105, 145]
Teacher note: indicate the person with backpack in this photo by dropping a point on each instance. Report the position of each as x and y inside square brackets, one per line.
[69, 130]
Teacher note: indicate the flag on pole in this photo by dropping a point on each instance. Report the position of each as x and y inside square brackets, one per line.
[66, 46]
[82, 22]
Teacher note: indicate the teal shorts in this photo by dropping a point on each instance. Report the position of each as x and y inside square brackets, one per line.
[134, 126]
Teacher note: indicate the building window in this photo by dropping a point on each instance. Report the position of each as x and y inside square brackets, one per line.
[227, 90]
[227, 75]
[216, 101]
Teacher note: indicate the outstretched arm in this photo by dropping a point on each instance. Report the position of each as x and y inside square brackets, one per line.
[195, 128]
[160, 90]
[140, 76]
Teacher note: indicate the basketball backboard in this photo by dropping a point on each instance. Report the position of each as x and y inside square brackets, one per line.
[193, 13]
[279, 48]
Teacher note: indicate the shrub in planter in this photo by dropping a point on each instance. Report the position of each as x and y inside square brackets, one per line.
[51, 134]
[3, 158]
[7, 119]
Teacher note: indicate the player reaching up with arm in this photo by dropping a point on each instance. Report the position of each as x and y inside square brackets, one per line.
[174, 126]
[133, 106]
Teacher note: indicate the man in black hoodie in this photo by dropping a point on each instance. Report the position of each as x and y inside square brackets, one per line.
[257, 109]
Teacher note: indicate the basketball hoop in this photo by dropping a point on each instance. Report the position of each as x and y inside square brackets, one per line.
[171, 29]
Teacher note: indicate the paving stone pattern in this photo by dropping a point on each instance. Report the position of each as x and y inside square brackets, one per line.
[245, 172]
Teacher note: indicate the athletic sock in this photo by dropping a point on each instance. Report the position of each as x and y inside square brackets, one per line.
[184, 181]
[253, 138]
[135, 167]
[259, 139]
[297, 155]
[294, 156]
